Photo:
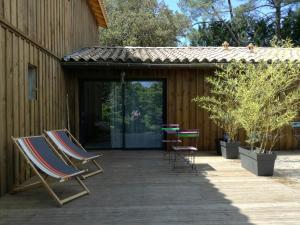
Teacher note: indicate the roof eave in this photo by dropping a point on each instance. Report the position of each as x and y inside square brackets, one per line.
[99, 12]
[139, 65]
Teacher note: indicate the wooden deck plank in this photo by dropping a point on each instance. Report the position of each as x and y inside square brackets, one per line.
[138, 187]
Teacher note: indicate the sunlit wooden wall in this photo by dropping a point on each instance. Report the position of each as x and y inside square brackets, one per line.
[38, 33]
[182, 86]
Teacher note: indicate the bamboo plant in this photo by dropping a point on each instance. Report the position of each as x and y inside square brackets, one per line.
[268, 99]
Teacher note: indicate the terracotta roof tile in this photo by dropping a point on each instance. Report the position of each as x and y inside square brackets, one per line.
[182, 55]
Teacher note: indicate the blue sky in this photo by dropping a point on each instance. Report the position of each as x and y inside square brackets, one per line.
[172, 4]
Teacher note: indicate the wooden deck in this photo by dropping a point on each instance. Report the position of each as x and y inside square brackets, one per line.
[138, 187]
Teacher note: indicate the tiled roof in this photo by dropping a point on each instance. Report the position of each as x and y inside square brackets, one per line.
[181, 55]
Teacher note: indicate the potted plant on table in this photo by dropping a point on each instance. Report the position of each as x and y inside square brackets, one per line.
[221, 105]
[268, 99]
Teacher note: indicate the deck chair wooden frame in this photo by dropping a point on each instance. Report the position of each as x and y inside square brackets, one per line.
[98, 170]
[43, 180]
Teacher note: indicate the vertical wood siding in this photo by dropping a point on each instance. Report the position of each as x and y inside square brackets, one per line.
[39, 33]
[58, 25]
[182, 86]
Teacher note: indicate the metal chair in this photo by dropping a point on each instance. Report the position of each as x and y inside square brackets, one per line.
[186, 151]
[169, 132]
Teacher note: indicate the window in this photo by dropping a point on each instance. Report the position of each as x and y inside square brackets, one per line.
[32, 83]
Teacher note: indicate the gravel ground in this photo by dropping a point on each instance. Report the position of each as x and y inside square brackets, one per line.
[288, 165]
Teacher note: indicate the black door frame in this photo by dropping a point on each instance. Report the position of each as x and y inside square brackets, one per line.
[81, 105]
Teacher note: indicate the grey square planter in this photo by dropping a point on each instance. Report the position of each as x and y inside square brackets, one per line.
[230, 150]
[258, 164]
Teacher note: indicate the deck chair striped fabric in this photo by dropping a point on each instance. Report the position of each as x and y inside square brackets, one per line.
[44, 159]
[70, 147]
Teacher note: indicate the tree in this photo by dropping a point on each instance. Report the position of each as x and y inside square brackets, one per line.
[274, 9]
[255, 21]
[215, 33]
[214, 10]
[210, 34]
[142, 23]
[291, 26]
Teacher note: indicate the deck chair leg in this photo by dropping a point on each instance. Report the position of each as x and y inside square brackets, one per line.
[97, 165]
[47, 186]
[51, 191]
[99, 170]
[61, 202]
[75, 196]
[21, 188]
[26, 187]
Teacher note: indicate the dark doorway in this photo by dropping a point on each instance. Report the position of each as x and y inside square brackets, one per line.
[127, 115]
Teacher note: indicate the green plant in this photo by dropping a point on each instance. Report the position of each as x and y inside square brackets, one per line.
[221, 104]
[268, 99]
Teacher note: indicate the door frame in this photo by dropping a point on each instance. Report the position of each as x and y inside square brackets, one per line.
[81, 105]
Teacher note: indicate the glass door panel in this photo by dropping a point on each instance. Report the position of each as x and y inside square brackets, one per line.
[101, 115]
[143, 114]
[115, 115]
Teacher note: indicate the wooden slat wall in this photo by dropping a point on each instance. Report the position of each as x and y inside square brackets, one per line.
[182, 86]
[59, 25]
[39, 33]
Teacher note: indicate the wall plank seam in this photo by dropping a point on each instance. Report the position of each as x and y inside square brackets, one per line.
[20, 33]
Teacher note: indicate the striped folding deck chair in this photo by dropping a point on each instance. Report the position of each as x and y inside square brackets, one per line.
[186, 150]
[71, 148]
[46, 162]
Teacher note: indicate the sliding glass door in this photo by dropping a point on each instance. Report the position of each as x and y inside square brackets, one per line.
[143, 114]
[101, 123]
[115, 115]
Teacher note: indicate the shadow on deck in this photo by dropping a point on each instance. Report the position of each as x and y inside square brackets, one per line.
[139, 187]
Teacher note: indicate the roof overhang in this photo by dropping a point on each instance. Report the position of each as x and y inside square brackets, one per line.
[99, 12]
[102, 65]
[187, 57]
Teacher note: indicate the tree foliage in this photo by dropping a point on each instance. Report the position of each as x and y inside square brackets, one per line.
[215, 33]
[142, 23]
[273, 10]
[251, 21]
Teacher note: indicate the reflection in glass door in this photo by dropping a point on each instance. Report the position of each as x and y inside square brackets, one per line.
[143, 114]
[101, 123]
[115, 115]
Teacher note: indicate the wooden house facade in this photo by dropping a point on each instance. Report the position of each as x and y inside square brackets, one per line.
[34, 36]
[183, 71]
